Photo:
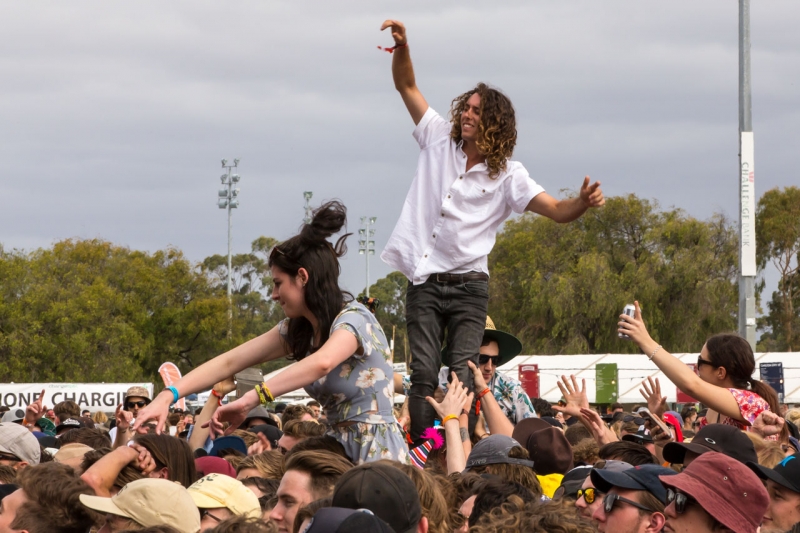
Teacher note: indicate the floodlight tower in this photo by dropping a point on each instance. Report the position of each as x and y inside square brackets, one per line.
[366, 245]
[307, 195]
[229, 199]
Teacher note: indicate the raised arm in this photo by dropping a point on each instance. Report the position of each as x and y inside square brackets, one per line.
[403, 72]
[568, 209]
[717, 398]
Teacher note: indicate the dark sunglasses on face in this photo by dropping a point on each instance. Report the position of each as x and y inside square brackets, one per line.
[483, 359]
[609, 500]
[139, 404]
[9, 457]
[679, 498]
[205, 513]
[701, 362]
[638, 420]
[588, 494]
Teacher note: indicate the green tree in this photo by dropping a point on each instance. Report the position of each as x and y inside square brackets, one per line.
[778, 242]
[561, 287]
[90, 310]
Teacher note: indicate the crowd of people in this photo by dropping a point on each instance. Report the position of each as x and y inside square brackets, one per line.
[469, 451]
[568, 468]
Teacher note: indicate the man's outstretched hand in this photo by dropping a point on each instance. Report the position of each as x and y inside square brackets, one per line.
[398, 31]
[592, 195]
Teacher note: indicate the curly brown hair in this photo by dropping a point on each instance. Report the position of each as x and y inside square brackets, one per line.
[534, 517]
[497, 131]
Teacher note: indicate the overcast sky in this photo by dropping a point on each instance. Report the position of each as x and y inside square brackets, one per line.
[115, 115]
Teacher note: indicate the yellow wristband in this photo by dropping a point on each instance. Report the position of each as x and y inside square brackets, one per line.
[449, 417]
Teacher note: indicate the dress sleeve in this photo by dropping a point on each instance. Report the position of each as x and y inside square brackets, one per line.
[750, 404]
[353, 320]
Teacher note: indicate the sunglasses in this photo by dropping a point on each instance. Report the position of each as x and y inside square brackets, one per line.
[701, 362]
[609, 500]
[9, 457]
[680, 500]
[483, 359]
[638, 420]
[588, 494]
[205, 513]
[139, 404]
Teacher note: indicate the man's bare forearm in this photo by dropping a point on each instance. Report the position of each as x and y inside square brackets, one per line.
[403, 70]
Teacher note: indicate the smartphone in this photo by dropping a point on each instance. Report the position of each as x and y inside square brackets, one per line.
[647, 415]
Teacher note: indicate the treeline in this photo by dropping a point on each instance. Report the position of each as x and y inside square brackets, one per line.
[561, 287]
[87, 310]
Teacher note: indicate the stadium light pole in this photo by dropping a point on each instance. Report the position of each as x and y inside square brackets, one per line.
[366, 245]
[307, 195]
[746, 181]
[229, 199]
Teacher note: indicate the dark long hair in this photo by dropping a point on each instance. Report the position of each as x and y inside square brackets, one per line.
[310, 249]
[733, 352]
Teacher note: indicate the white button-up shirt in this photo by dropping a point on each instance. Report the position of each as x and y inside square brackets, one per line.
[450, 218]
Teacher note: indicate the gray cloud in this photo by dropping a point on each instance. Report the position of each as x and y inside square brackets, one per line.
[115, 116]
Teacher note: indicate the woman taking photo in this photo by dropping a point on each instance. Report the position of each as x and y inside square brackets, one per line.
[723, 382]
[342, 357]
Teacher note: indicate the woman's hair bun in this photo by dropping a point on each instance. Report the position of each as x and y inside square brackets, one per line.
[327, 219]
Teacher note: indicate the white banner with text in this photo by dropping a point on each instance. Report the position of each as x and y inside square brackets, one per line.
[91, 396]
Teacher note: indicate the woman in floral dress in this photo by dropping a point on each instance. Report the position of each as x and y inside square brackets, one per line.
[342, 356]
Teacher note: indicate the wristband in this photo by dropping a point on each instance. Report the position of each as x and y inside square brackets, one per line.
[464, 412]
[483, 392]
[449, 417]
[175, 395]
[219, 398]
[391, 49]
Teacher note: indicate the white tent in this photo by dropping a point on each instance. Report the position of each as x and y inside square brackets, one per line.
[632, 370]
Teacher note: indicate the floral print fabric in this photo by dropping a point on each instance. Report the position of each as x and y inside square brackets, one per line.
[750, 406]
[360, 393]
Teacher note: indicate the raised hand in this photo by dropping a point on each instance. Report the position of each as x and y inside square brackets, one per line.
[767, 424]
[592, 195]
[576, 398]
[599, 430]
[477, 377]
[122, 417]
[35, 410]
[234, 413]
[634, 327]
[398, 31]
[453, 401]
[656, 403]
[259, 446]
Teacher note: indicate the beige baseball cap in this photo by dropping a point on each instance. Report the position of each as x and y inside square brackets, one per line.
[150, 502]
[218, 490]
[16, 440]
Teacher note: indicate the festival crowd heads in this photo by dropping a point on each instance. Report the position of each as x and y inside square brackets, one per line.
[469, 451]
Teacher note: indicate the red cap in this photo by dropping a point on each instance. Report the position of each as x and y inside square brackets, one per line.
[728, 491]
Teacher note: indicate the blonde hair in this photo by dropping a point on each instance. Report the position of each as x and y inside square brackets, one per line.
[99, 417]
[793, 416]
[269, 464]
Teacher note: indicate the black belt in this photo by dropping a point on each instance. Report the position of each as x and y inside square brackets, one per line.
[459, 278]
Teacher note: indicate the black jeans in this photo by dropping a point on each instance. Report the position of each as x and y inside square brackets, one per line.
[432, 308]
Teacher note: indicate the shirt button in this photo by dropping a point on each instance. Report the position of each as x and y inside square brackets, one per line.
[448, 196]
[426, 255]
[434, 235]
[442, 214]
[461, 177]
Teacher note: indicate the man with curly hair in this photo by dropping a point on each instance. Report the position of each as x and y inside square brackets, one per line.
[465, 187]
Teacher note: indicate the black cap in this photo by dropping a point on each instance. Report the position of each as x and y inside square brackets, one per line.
[720, 438]
[642, 477]
[640, 437]
[786, 473]
[341, 520]
[272, 433]
[494, 450]
[384, 490]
